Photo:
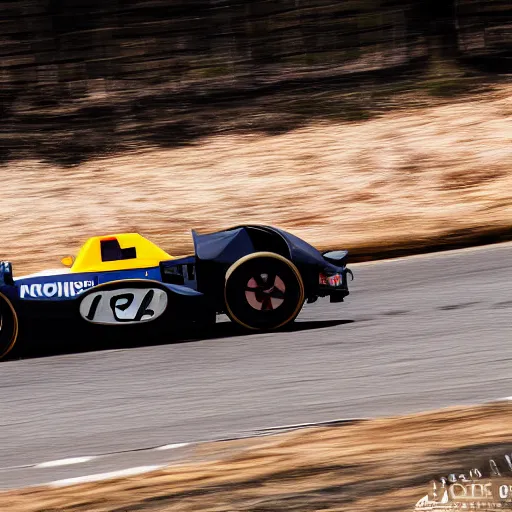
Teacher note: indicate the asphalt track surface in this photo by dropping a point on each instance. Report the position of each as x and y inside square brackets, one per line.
[415, 334]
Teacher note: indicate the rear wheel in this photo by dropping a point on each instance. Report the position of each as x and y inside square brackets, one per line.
[263, 291]
[8, 326]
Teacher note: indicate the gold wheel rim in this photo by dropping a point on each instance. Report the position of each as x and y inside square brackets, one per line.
[275, 256]
[14, 336]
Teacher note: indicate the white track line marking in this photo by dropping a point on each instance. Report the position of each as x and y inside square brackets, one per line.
[172, 446]
[104, 476]
[64, 462]
[145, 469]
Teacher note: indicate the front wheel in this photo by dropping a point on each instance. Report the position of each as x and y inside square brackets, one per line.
[8, 326]
[263, 291]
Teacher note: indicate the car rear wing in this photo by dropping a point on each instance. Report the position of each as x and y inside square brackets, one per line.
[338, 258]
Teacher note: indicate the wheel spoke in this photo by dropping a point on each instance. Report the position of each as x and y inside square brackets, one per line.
[260, 281]
[276, 293]
[271, 280]
[265, 291]
[267, 303]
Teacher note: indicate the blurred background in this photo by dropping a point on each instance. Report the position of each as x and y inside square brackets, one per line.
[82, 77]
[204, 91]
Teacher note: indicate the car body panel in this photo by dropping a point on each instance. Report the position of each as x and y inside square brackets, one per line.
[125, 279]
[147, 254]
[215, 252]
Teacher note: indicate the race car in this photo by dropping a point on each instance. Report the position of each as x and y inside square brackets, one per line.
[260, 276]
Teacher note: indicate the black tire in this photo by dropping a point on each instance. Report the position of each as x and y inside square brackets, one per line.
[263, 291]
[8, 326]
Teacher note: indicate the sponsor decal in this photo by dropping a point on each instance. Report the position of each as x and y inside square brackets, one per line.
[124, 306]
[472, 490]
[54, 290]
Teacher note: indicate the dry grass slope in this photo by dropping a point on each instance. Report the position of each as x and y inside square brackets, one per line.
[382, 465]
[405, 179]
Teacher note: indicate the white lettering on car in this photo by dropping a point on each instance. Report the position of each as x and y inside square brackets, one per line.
[124, 306]
[54, 290]
[49, 289]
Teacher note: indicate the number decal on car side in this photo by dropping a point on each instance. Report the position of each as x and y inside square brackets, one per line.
[124, 306]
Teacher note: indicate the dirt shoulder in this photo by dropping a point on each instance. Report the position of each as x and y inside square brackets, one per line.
[379, 465]
[407, 181]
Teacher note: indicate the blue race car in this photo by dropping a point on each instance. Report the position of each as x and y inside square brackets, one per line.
[259, 276]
